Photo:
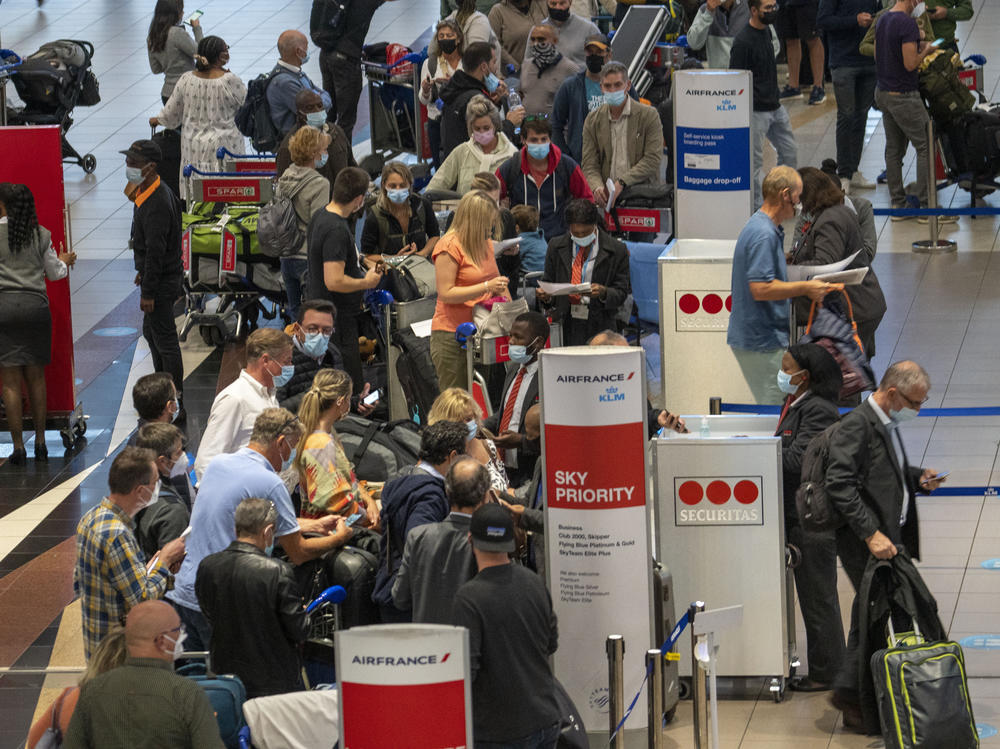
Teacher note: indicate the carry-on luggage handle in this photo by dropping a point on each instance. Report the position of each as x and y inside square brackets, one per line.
[222, 152]
[893, 641]
[190, 169]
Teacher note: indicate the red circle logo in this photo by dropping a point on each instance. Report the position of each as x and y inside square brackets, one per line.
[690, 492]
[718, 492]
[746, 492]
[689, 304]
[712, 304]
[729, 303]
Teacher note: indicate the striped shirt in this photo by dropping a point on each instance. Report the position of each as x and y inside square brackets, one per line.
[110, 576]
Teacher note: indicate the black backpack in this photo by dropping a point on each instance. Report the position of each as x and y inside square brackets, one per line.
[816, 512]
[379, 451]
[253, 118]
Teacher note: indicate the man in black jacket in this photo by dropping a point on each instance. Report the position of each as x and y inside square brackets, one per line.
[254, 606]
[873, 486]
[476, 76]
[168, 515]
[156, 245]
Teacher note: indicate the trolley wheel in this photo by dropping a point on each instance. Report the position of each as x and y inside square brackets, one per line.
[89, 163]
[668, 717]
[373, 163]
[80, 428]
[777, 688]
[684, 687]
[67, 438]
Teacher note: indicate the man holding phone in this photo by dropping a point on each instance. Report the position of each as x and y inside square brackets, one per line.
[899, 51]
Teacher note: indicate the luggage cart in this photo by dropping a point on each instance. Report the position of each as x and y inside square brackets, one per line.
[397, 118]
[242, 163]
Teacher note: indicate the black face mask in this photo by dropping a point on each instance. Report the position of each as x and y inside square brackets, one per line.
[595, 63]
[769, 17]
[447, 45]
[559, 14]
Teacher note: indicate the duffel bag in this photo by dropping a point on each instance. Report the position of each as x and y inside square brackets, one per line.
[379, 451]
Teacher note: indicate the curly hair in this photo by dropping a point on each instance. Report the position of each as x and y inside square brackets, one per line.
[22, 221]
[304, 145]
[210, 49]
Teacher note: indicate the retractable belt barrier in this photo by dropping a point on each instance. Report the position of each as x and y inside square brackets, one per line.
[983, 211]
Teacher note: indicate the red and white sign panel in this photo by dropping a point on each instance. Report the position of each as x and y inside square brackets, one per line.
[718, 500]
[227, 252]
[597, 521]
[702, 311]
[186, 249]
[228, 190]
[404, 685]
[638, 219]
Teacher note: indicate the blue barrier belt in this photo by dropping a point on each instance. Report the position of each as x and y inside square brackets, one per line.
[985, 211]
[752, 408]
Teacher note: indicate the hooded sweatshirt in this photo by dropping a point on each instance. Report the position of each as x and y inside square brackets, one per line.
[564, 180]
[455, 97]
[309, 192]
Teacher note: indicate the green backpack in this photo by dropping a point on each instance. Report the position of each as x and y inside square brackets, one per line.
[946, 96]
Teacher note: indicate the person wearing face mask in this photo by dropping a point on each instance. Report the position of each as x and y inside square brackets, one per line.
[544, 69]
[436, 71]
[759, 319]
[244, 577]
[156, 250]
[289, 78]
[475, 27]
[252, 471]
[512, 21]
[528, 336]
[486, 149]
[155, 400]
[412, 499]
[309, 192]
[543, 176]
[310, 112]
[457, 405]
[401, 222]
[170, 48]
[871, 483]
[143, 696]
[812, 380]
[169, 514]
[573, 30]
[752, 50]
[336, 272]
[622, 138]
[586, 254]
[111, 575]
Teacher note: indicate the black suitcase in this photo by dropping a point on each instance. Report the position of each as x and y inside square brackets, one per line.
[354, 569]
[572, 734]
[415, 372]
[169, 168]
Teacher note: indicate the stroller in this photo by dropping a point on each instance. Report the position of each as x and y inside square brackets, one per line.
[51, 82]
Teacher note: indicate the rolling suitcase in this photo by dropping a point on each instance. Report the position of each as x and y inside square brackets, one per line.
[227, 695]
[664, 619]
[355, 569]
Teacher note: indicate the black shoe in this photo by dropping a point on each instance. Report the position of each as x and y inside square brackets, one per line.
[19, 457]
[848, 705]
[805, 684]
[41, 453]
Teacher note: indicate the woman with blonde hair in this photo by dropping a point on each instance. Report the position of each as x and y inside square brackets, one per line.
[466, 273]
[456, 404]
[110, 653]
[326, 476]
[485, 150]
[401, 222]
[309, 192]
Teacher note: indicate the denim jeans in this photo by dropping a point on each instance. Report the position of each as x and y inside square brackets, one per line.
[199, 631]
[777, 128]
[293, 269]
[905, 119]
[854, 87]
[543, 739]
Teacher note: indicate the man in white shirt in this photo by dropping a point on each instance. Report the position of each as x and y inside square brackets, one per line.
[230, 423]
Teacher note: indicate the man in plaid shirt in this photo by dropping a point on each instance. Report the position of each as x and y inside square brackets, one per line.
[110, 576]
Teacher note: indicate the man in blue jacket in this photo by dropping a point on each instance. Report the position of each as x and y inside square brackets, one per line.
[578, 96]
[413, 499]
[293, 48]
[845, 23]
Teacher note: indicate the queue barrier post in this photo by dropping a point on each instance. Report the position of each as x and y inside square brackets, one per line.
[616, 689]
[654, 694]
[934, 245]
[699, 701]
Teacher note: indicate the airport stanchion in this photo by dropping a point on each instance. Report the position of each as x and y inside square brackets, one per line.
[616, 689]
[935, 244]
[654, 693]
[699, 696]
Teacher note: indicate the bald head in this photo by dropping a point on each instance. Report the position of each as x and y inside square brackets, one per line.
[608, 338]
[548, 31]
[533, 422]
[467, 483]
[144, 629]
[293, 46]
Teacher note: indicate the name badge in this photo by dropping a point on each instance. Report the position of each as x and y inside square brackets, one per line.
[579, 311]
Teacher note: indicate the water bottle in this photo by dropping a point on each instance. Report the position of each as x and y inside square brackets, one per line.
[704, 432]
[511, 79]
[513, 102]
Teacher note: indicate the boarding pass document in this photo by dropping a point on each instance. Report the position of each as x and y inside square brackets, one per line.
[505, 245]
[806, 272]
[847, 277]
[562, 289]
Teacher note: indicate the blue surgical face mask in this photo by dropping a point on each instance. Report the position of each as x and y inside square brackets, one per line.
[585, 241]
[473, 428]
[305, 58]
[316, 344]
[269, 549]
[316, 119]
[398, 196]
[491, 82]
[615, 98]
[287, 462]
[133, 174]
[902, 415]
[282, 379]
[518, 354]
[538, 150]
[321, 161]
[785, 381]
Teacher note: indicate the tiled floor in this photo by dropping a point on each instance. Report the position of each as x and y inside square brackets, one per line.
[943, 311]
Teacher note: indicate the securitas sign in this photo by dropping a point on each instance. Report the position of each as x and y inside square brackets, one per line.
[718, 500]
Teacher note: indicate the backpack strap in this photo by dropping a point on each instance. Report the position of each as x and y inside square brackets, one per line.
[370, 431]
[57, 711]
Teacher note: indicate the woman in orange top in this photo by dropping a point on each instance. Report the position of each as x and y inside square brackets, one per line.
[329, 486]
[466, 272]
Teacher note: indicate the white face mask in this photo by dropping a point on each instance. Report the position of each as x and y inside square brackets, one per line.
[180, 467]
[919, 10]
[153, 498]
[178, 648]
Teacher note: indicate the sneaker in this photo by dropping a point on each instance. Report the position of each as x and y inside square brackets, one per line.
[881, 178]
[845, 185]
[818, 95]
[941, 219]
[903, 218]
[790, 93]
[861, 182]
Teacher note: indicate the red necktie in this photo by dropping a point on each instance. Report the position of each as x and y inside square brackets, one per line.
[508, 408]
[784, 412]
[577, 274]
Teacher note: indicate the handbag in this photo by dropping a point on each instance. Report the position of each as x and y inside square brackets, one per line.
[53, 735]
[838, 334]
[495, 319]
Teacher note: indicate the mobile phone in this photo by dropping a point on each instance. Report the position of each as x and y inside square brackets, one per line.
[353, 519]
[937, 42]
[195, 16]
[372, 398]
[935, 478]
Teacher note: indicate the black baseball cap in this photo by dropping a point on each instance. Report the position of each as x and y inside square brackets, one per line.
[144, 150]
[492, 528]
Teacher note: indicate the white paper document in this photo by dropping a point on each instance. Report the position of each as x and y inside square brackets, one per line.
[611, 194]
[421, 329]
[806, 272]
[504, 245]
[847, 277]
[562, 289]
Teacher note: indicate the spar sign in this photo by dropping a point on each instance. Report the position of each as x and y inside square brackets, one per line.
[404, 685]
[718, 500]
[702, 311]
[597, 517]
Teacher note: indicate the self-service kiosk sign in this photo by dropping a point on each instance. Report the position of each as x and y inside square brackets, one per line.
[404, 685]
[718, 500]
[702, 311]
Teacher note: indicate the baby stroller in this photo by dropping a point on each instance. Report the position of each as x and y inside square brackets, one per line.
[51, 82]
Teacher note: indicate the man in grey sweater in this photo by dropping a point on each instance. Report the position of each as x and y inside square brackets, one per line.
[573, 31]
[544, 69]
[715, 25]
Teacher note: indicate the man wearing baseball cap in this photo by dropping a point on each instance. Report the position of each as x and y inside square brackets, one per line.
[512, 633]
[156, 246]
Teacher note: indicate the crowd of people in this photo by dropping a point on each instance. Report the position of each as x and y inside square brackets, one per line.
[178, 561]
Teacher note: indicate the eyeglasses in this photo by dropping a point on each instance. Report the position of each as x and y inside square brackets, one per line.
[912, 403]
[537, 117]
[179, 630]
[287, 424]
[312, 329]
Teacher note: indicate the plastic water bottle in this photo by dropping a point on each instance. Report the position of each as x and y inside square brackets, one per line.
[513, 102]
[704, 432]
[511, 79]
